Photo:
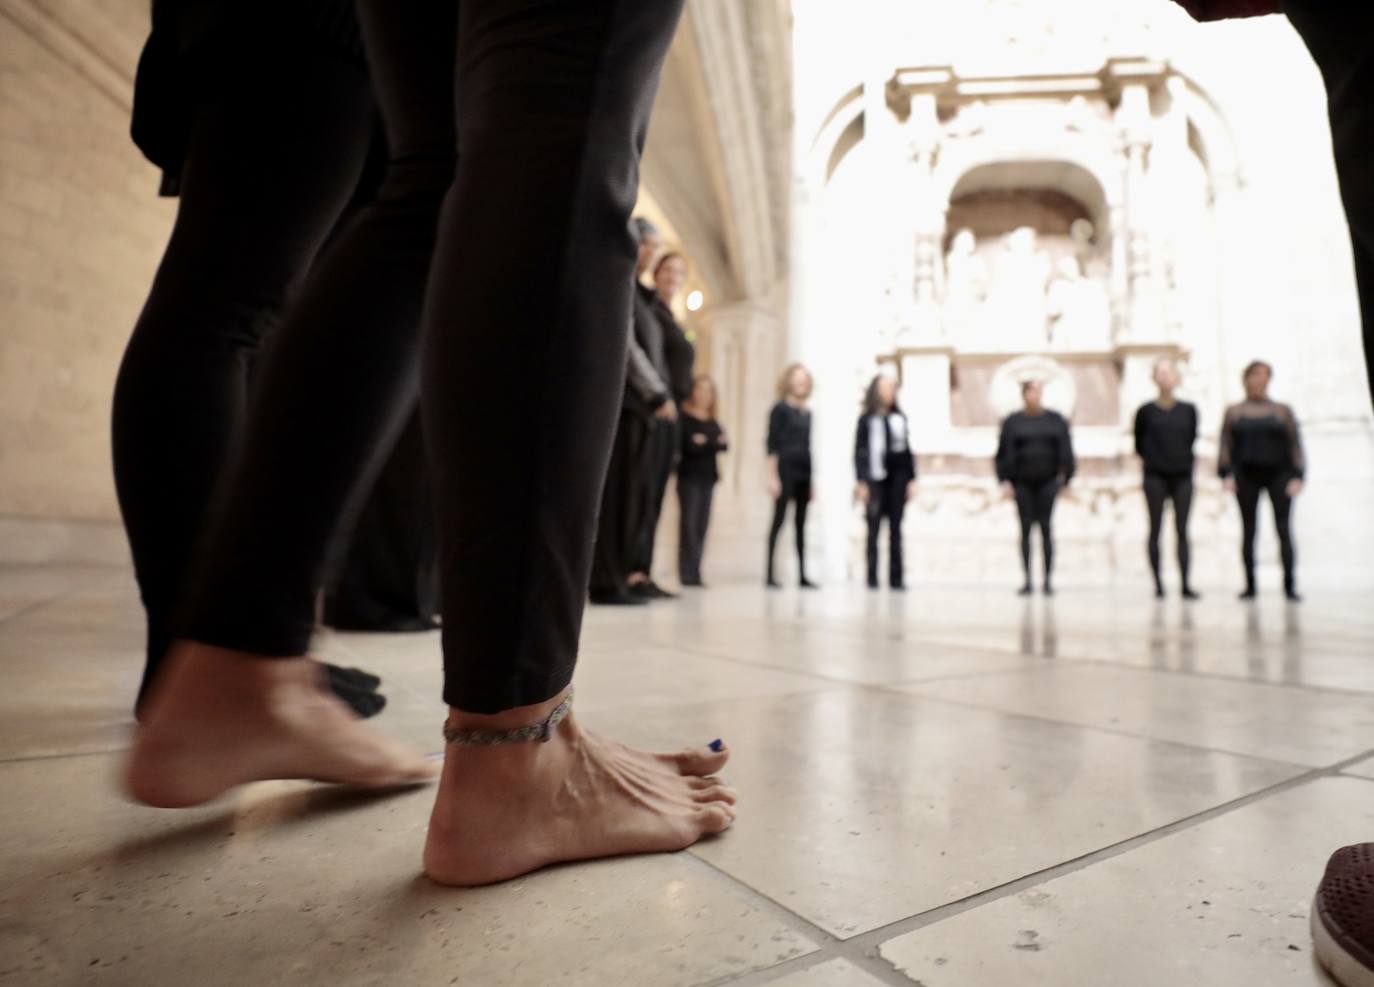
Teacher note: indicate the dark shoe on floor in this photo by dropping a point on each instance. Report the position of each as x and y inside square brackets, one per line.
[1025, 590]
[651, 590]
[808, 584]
[773, 583]
[354, 677]
[1048, 590]
[1191, 594]
[897, 587]
[692, 583]
[616, 599]
[1343, 917]
[872, 583]
[1249, 594]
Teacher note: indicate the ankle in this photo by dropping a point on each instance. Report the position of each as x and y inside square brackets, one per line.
[509, 719]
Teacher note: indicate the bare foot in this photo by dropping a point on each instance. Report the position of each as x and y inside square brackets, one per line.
[506, 810]
[221, 718]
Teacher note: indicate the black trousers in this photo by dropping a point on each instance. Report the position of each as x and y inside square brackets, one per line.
[388, 580]
[694, 517]
[1340, 37]
[1035, 506]
[1250, 483]
[886, 501]
[526, 322]
[624, 503]
[274, 158]
[796, 490]
[659, 453]
[1160, 489]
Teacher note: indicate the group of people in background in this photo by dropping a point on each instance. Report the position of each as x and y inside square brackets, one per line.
[667, 421]
[1259, 452]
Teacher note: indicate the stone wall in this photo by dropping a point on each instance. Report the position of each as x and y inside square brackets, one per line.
[81, 230]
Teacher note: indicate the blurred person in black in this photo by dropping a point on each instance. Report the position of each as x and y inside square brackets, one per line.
[646, 404]
[268, 165]
[1165, 430]
[678, 357]
[789, 465]
[1034, 462]
[1261, 452]
[703, 441]
[885, 473]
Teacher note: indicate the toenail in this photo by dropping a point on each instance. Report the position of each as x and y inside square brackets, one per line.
[717, 745]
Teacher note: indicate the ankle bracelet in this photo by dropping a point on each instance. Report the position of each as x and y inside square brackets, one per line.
[539, 732]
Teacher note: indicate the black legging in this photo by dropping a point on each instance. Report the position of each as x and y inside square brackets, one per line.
[1035, 505]
[273, 157]
[694, 495]
[1158, 489]
[796, 489]
[1250, 483]
[886, 500]
[525, 329]
[1340, 37]
[660, 450]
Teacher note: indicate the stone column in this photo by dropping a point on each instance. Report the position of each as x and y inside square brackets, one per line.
[1144, 314]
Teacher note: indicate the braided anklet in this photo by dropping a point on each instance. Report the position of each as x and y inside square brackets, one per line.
[540, 732]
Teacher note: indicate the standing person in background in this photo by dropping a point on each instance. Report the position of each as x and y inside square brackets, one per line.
[678, 358]
[885, 470]
[789, 464]
[1260, 451]
[1034, 460]
[645, 403]
[1165, 430]
[697, 474]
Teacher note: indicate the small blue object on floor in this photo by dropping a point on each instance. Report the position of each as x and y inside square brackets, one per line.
[717, 745]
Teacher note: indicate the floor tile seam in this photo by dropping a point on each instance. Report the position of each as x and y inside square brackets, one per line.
[1221, 677]
[964, 704]
[874, 938]
[1033, 663]
[89, 580]
[698, 652]
[828, 945]
[28, 758]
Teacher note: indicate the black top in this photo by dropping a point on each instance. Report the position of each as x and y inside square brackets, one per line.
[1260, 435]
[678, 352]
[1164, 437]
[648, 333]
[898, 461]
[195, 42]
[702, 440]
[789, 435]
[1035, 448]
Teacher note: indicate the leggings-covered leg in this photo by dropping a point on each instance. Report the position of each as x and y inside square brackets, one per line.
[343, 380]
[531, 297]
[1156, 492]
[249, 224]
[1183, 506]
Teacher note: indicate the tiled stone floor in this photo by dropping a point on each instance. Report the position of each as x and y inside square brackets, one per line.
[950, 787]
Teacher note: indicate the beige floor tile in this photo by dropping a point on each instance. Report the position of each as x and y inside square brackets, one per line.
[1225, 902]
[646, 675]
[299, 884]
[832, 973]
[1301, 726]
[25, 586]
[1362, 769]
[871, 656]
[67, 689]
[860, 807]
